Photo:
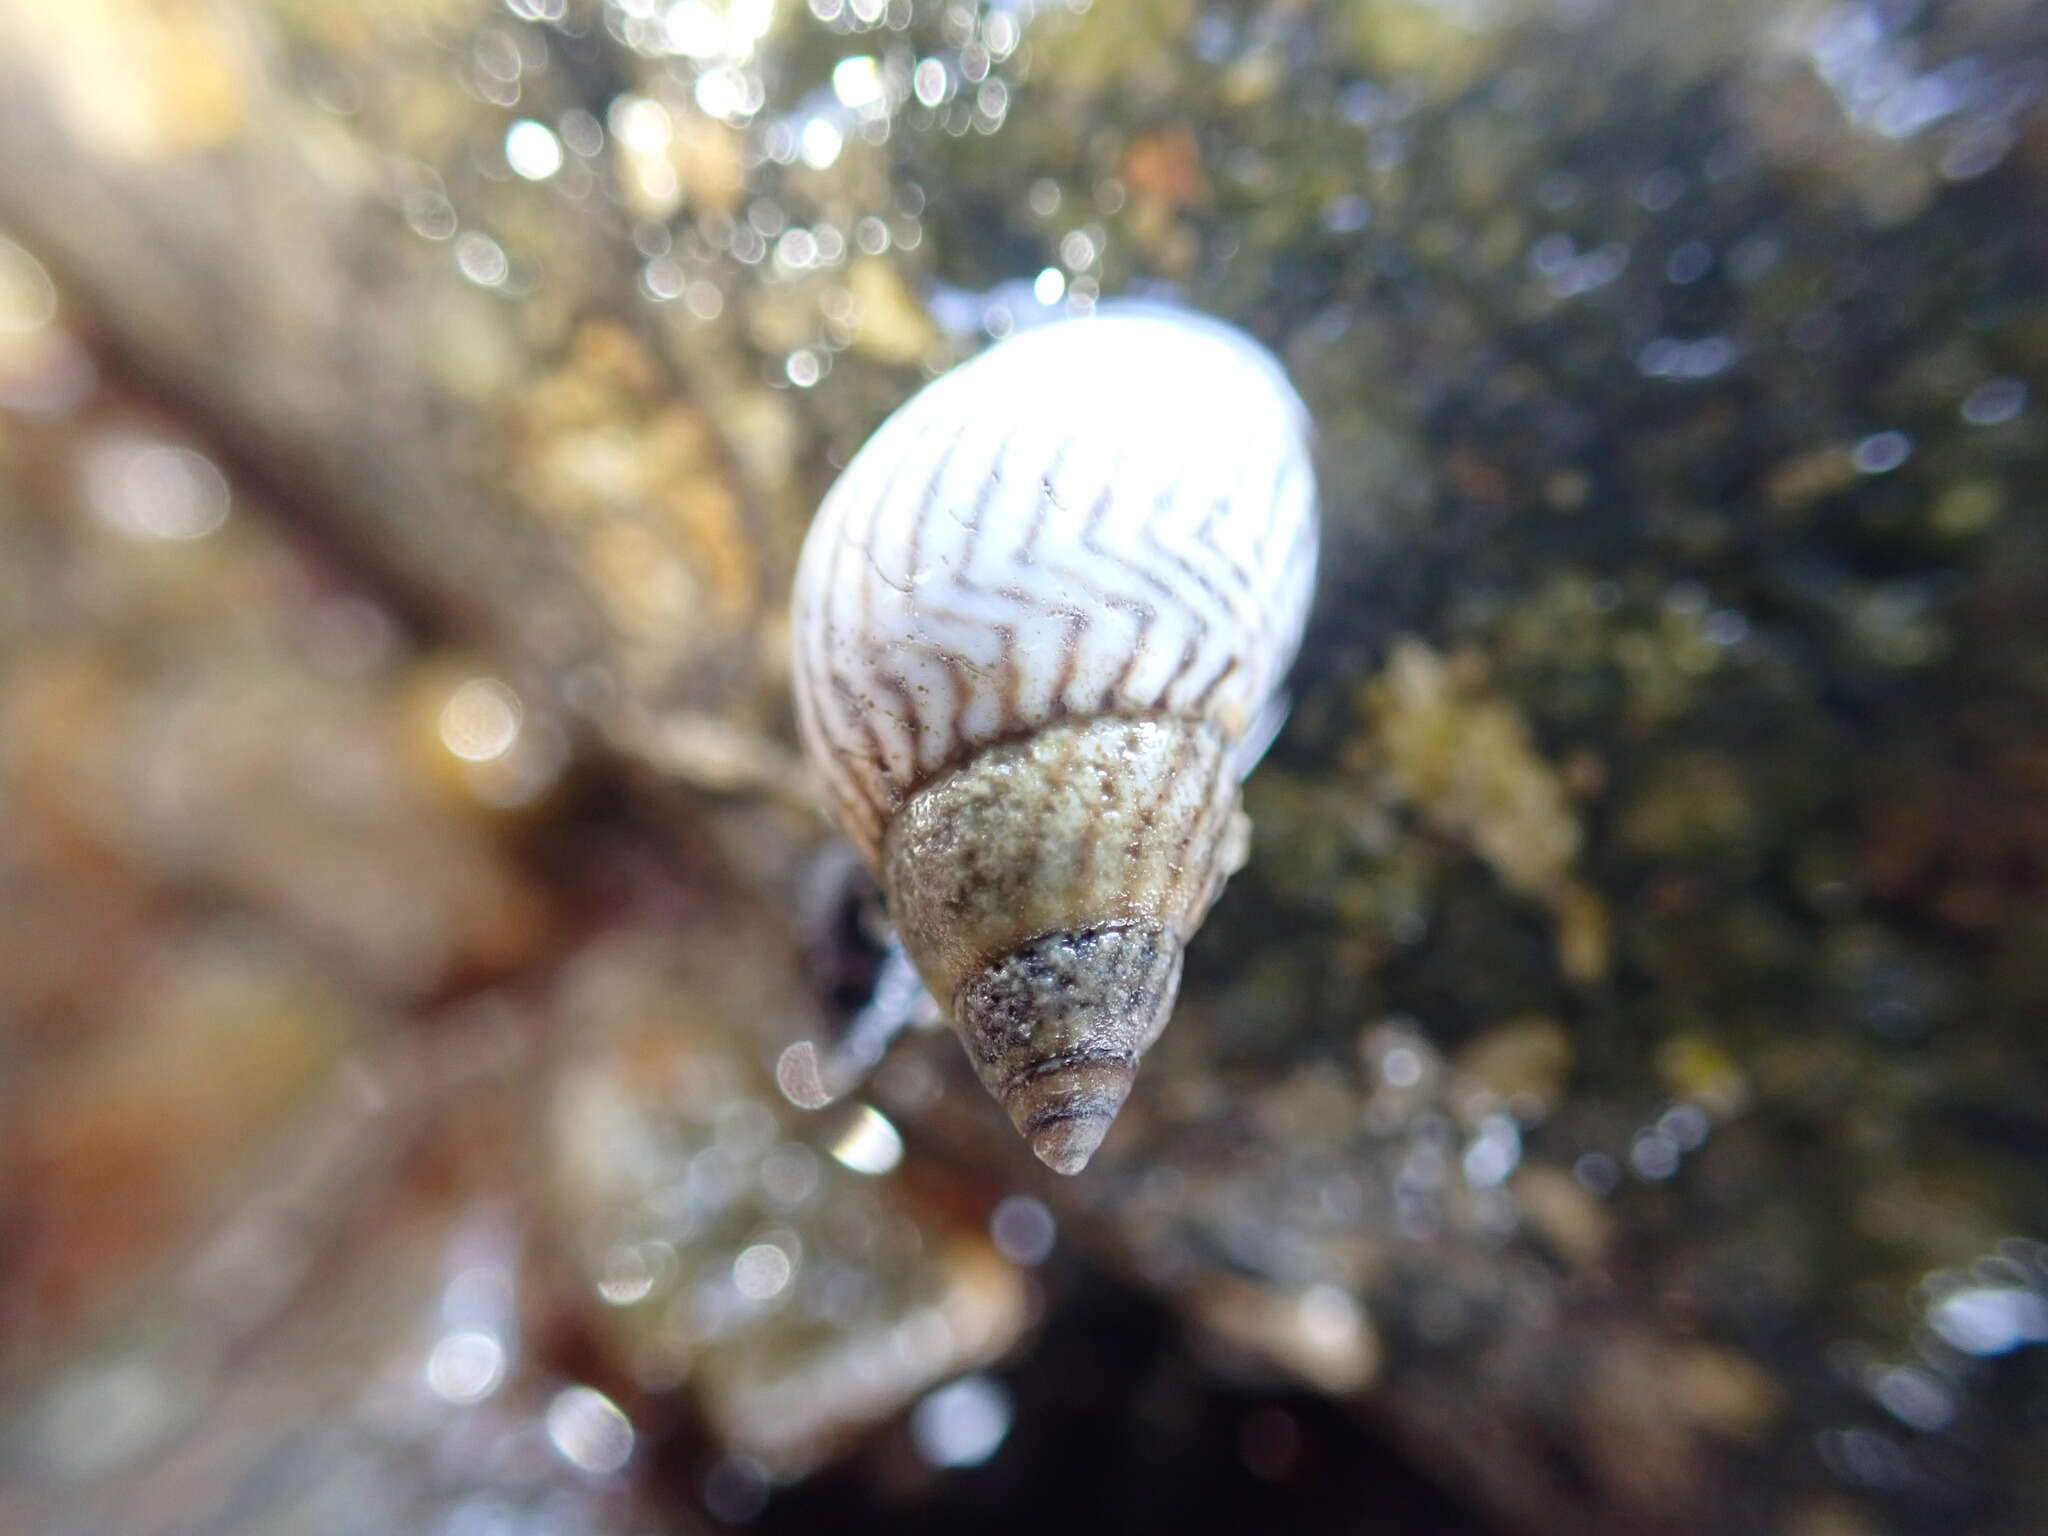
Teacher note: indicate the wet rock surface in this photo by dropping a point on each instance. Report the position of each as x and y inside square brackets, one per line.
[1611, 1089]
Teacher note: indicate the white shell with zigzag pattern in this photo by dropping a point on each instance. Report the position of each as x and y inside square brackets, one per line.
[1107, 516]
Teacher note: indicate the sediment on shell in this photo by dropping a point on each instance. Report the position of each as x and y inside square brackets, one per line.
[1055, 1029]
[1044, 891]
[1085, 824]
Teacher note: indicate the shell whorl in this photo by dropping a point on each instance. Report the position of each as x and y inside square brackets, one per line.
[1037, 625]
[1108, 516]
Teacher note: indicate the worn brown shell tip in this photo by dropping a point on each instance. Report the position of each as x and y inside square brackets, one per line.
[1065, 1146]
[1055, 1029]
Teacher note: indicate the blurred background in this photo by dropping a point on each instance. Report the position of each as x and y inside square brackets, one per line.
[1611, 1100]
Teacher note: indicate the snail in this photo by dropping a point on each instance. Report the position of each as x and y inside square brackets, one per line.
[1038, 632]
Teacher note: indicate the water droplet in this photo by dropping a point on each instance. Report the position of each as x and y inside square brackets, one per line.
[857, 82]
[466, 1367]
[1401, 1067]
[820, 143]
[28, 299]
[481, 259]
[1994, 402]
[155, 490]
[532, 150]
[1653, 1155]
[1991, 1320]
[1689, 263]
[589, 1430]
[481, 720]
[962, 1424]
[930, 82]
[869, 1144]
[1023, 1230]
[1881, 452]
[761, 1271]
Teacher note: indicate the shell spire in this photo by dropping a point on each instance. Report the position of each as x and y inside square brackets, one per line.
[1040, 623]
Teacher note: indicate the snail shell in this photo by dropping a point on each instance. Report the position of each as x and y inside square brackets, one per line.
[1039, 627]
